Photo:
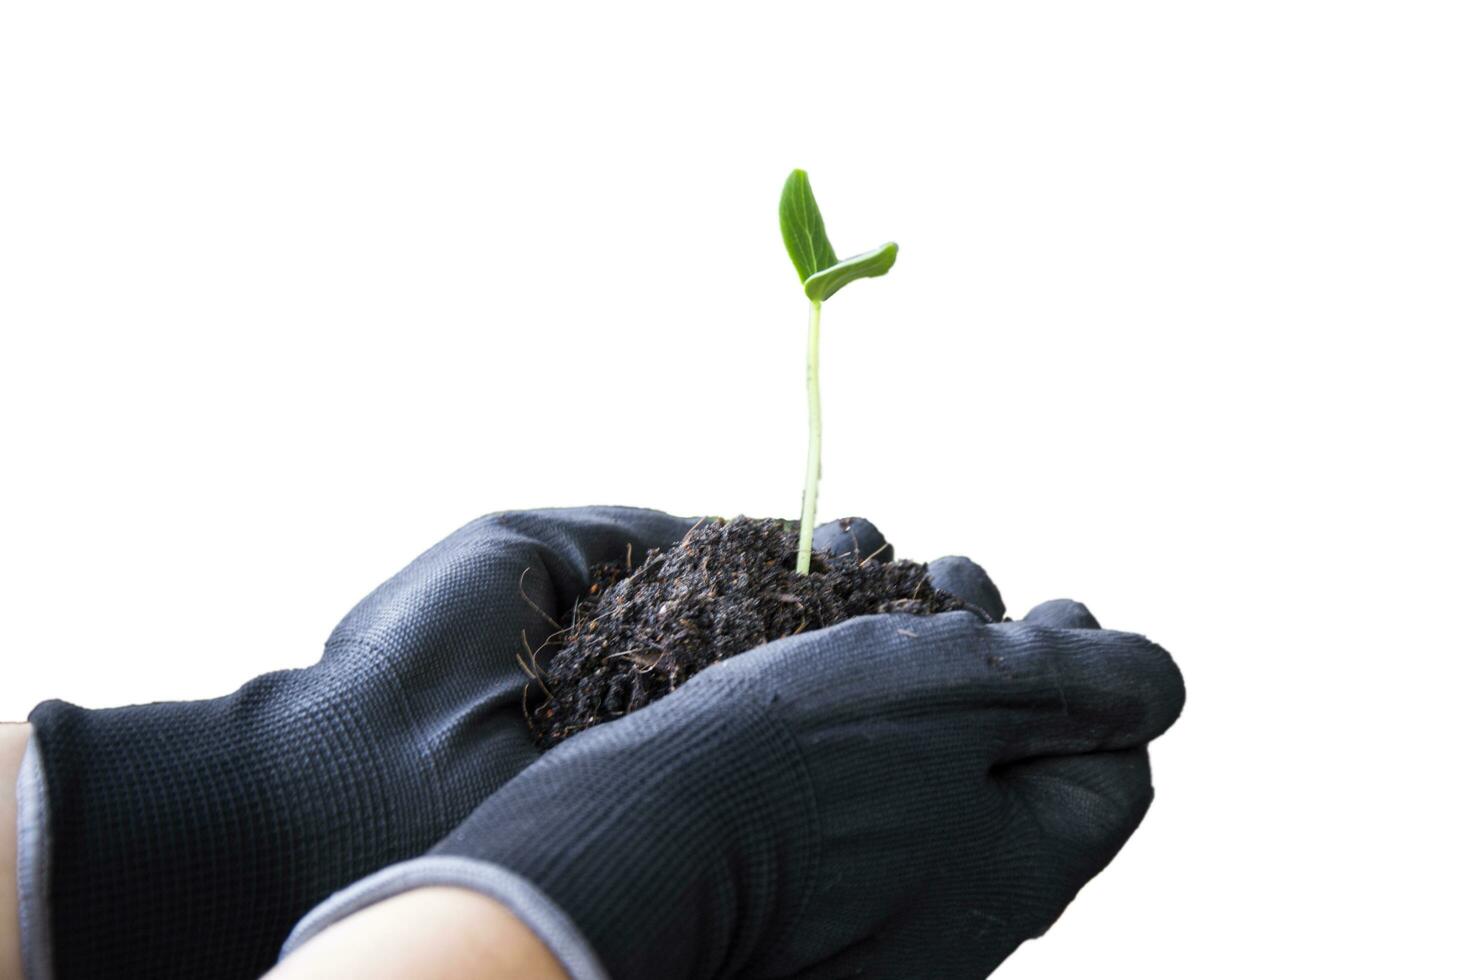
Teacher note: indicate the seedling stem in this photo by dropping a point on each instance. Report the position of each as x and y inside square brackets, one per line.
[811, 482]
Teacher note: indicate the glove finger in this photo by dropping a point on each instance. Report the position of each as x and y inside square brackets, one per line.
[1018, 690]
[1064, 692]
[1083, 809]
[966, 579]
[1065, 614]
[855, 536]
[1090, 803]
[507, 572]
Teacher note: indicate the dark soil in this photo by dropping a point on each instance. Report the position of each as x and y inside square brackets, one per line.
[726, 587]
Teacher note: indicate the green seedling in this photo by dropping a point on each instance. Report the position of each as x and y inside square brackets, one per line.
[823, 274]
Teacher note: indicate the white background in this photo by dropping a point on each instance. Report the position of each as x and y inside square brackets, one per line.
[289, 291]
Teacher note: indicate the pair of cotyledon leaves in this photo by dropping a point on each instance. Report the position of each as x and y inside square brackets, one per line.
[819, 269]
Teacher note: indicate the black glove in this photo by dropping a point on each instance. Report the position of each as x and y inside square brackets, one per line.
[895, 796]
[184, 839]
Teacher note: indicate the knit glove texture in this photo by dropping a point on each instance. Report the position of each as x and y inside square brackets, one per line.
[894, 796]
[184, 839]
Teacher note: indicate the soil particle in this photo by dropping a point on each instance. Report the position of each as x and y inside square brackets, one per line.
[726, 587]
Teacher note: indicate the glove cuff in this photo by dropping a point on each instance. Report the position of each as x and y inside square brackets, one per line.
[187, 837]
[32, 871]
[524, 899]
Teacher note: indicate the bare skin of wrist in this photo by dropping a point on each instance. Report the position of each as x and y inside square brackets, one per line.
[427, 933]
[13, 742]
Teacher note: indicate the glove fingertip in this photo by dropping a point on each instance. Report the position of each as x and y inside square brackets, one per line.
[966, 579]
[1062, 614]
[1159, 678]
[854, 536]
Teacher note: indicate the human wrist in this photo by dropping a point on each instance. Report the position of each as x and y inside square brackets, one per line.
[14, 740]
[428, 932]
[533, 909]
[677, 840]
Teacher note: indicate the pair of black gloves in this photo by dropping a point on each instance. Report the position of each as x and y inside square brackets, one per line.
[896, 796]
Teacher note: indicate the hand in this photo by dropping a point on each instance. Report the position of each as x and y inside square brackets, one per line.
[186, 838]
[895, 795]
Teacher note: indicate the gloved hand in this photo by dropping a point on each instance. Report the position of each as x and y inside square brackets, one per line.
[184, 839]
[894, 796]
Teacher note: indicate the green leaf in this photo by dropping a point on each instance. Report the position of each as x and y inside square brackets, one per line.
[826, 282]
[803, 227]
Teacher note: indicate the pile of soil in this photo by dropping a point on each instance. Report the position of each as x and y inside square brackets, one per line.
[726, 587]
